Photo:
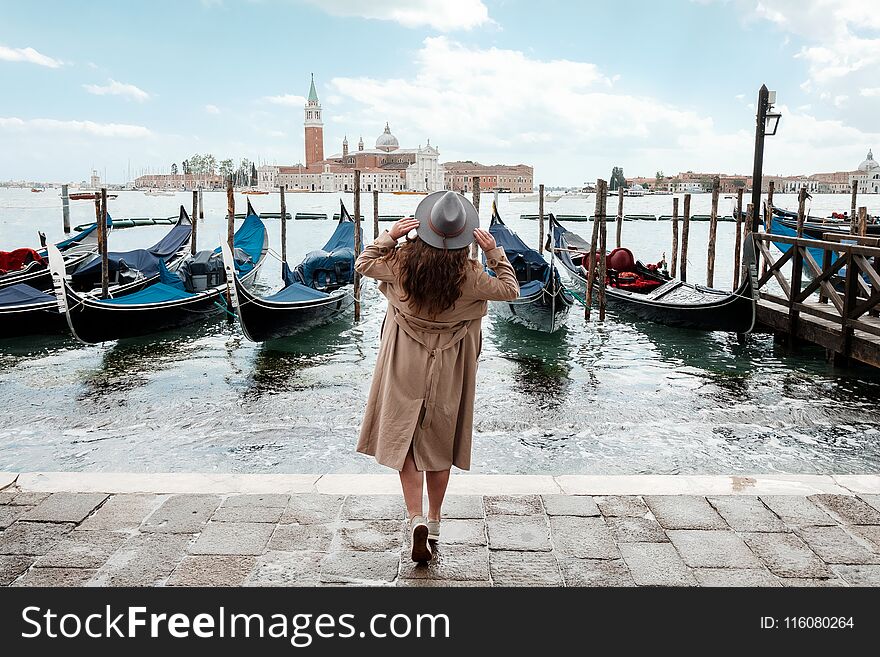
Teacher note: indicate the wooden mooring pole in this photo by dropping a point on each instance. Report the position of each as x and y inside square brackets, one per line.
[853, 221]
[283, 224]
[674, 268]
[375, 213]
[590, 268]
[194, 219]
[65, 208]
[863, 221]
[797, 267]
[619, 216]
[201, 205]
[230, 215]
[476, 188]
[685, 231]
[357, 242]
[105, 266]
[737, 244]
[603, 247]
[540, 218]
[713, 233]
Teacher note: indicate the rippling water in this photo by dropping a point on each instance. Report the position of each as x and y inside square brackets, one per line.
[620, 398]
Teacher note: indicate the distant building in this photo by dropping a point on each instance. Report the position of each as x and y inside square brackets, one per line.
[386, 167]
[517, 178]
[867, 176]
[179, 181]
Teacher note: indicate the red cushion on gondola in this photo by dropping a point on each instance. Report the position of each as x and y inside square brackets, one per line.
[621, 259]
[18, 259]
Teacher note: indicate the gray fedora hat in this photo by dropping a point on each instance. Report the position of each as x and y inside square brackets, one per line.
[446, 220]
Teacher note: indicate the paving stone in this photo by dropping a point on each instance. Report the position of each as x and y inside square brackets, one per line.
[374, 507]
[746, 513]
[834, 545]
[143, 560]
[438, 583]
[850, 509]
[868, 533]
[9, 514]
[656, 564]
[273, 500]
[286, 569]
[122, 512]
[684, 512]
[55, 577]
[182, 514]
[630, 529]
[312, 508]
[701, 548]
[66, 507]
[585, 538]
[32, 537]
[873, 500]
[463, 507]
[233, 538]
[463, 532]
[82, 549]
[294, 538]
[369, 535]
[268, 514]
[786, 555]
[622, 506]
[528, 533]
[812, 583]
[595, 572]
[730, 577]
[6, 497]
[859, 575]
[513, 505]
[570, 505]
[11, 566]
[215, 570]
[797, 511]
[450, 563]
[29, 498]
[524, 569]
[347, 566]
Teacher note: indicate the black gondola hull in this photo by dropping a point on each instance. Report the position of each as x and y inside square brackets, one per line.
[540, 312]
[33, 319]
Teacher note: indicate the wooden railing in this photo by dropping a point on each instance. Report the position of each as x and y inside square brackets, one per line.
[845, 286]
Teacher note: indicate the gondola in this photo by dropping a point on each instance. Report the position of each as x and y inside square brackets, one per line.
[649, 295]
[24, 310]
[31, 266]
[316, 292]
[815, 226]
[193, 293]
[543, 302]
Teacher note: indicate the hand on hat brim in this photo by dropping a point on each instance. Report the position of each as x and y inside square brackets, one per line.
[484, 239]
[402, 227]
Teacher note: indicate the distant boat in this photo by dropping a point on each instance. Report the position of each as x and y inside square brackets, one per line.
[158, 192]
[88, 196]
[533, 198]
[405, 192]
[34, 189]
[256, 192]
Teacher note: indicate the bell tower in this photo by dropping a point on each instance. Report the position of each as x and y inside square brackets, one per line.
[314, 127]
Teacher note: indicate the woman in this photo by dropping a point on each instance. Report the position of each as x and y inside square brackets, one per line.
[420, 409]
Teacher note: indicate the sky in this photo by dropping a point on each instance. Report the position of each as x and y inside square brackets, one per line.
[571, 88]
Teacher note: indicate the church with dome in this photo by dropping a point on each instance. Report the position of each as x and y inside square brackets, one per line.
[868, 175]
[386, 167]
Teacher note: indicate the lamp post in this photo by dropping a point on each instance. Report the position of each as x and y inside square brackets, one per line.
[766, 124]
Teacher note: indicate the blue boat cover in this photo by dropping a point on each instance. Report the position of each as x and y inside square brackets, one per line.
[169, 278]
[529, 265]
[334, 264]
[146, 261]
[297, 292]
[250, 238]
[529, 289]
[21, 294]
[155, 293]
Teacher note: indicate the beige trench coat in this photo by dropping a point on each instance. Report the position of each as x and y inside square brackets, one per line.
[423, 385]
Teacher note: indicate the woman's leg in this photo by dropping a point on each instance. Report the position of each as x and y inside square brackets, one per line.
[437, 483]
[411, 480]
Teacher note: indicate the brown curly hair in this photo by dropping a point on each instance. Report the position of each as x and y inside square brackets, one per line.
[431, 278]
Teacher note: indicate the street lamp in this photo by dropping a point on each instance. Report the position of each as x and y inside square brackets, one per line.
[766, 124]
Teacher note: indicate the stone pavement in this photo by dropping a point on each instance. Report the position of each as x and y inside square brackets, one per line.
[317, 539]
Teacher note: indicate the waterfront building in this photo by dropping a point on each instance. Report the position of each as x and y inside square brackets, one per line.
[179, 181]
[516, 178]
[868, 175]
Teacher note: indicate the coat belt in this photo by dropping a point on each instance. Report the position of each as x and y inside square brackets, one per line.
[459, 331]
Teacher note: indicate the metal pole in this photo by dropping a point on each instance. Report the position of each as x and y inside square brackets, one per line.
[65, 208]
[758, 170]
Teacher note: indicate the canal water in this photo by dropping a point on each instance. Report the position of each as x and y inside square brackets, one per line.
[623, 397]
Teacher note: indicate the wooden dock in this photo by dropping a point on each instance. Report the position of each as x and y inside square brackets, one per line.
[824, 292]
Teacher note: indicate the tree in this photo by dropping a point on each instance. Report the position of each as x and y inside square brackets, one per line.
[659, 175]
[225, 168]
[185, 166]
[253, 175]
[617, 179]
[209, 164]
[174, 169]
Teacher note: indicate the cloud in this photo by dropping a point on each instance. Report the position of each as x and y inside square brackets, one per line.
[212, 109]
[114, 88]
[91, 128]
[870, 92]
[443, 15]
[29, 55]
[567, 118]
[287, 100]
